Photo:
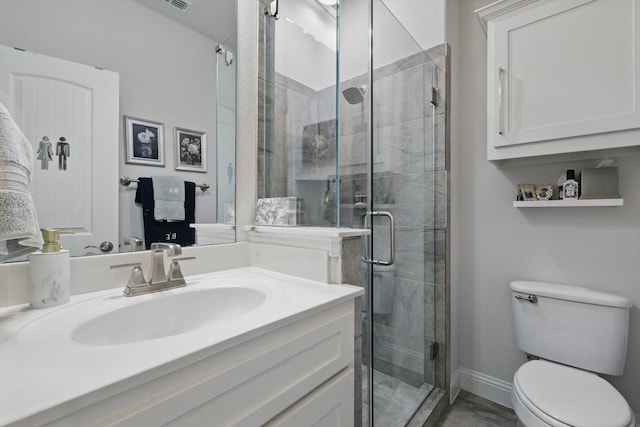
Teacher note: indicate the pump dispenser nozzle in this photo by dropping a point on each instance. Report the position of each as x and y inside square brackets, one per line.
[51, 237]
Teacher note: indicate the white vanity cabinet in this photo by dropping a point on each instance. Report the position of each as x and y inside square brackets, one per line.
[563, 77]
[289, 361]
[299, 371]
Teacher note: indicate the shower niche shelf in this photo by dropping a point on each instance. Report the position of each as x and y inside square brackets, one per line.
[568, 203]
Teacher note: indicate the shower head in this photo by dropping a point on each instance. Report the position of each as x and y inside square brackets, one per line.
[355, 94]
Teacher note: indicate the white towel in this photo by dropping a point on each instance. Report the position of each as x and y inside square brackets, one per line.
[19, 230]
[168, 198]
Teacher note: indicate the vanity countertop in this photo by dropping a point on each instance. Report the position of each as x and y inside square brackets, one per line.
[44, 370]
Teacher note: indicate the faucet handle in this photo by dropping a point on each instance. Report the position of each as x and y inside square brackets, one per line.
[136, 278]
[137, 275]
[175, 273]
[184, 258]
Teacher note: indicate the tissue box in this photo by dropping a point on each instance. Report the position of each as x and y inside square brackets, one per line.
[277, 211]
[599, 183]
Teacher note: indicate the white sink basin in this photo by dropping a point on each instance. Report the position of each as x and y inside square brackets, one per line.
[167, 315]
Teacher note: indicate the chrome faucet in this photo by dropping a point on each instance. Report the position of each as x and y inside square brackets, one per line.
[158, 274]
[159, 280]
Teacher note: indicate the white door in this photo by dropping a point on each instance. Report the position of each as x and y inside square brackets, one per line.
[77, 189]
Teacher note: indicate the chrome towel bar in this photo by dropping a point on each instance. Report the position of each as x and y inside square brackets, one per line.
[125, 180]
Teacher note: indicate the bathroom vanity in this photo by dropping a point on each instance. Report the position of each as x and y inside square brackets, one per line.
[244, 347]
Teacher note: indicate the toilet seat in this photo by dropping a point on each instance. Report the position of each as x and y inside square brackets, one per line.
[560, 396]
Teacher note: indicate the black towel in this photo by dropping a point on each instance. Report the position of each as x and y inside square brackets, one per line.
[163, 231]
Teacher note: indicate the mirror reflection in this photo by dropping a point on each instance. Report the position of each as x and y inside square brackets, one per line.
[112, 94]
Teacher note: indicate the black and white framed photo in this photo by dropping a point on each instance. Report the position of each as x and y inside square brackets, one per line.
[145, 141]
[191, 150]
[528, 192]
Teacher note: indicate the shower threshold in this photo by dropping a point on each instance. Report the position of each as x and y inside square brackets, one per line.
[395, 401]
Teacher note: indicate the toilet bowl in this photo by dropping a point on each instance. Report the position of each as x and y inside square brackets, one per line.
[576, 333]
[549, 394]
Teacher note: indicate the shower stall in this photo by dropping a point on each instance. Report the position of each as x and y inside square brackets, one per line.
[353, 124]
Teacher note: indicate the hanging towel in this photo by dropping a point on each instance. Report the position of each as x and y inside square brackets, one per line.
[168, 196]
[19, 229]
[164, 231]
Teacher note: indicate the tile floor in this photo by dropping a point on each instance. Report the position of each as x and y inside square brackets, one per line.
[470, 410]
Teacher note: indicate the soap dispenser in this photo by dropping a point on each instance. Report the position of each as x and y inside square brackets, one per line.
[49, 271]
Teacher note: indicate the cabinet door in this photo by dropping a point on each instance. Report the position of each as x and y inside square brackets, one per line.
[560, 69]
[330, 405]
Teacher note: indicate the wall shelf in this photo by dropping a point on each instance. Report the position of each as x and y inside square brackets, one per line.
[568, 203]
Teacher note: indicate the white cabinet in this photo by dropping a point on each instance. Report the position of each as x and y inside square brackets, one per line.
[563, 77]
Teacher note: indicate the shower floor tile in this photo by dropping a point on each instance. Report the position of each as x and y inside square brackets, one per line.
[395, 402]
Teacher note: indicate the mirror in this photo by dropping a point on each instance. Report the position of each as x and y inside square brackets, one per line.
[166, 80]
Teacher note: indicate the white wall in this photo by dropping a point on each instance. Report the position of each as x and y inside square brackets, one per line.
[494, 243]
[424, 19]
[167, 74]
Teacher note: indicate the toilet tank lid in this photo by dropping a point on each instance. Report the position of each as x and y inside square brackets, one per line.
[571, 293]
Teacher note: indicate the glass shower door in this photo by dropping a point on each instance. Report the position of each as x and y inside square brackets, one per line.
[388, 185]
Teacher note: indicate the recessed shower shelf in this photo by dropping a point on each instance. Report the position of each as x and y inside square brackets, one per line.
[568, 203]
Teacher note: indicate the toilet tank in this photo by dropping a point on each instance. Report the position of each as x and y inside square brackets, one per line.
[572, 325]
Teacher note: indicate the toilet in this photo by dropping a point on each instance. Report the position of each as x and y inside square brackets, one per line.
[574, 334]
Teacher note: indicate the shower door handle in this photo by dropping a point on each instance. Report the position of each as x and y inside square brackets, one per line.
[392, 238]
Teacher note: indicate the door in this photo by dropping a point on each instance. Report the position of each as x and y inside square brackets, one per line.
[69, 113]
[388, 169]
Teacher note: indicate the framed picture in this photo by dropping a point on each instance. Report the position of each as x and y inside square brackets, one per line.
[144, 141]
[544, 192]
[191, 150]
[528, 192]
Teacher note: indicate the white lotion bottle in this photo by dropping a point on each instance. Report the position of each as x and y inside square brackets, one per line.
[49, 272]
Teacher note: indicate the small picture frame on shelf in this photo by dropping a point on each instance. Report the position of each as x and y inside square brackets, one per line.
[544, 192]
[528, 192]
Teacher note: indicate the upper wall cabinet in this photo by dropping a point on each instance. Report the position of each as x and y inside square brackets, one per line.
[563, 77]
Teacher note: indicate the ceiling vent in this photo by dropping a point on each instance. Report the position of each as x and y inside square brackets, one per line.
[182, 5]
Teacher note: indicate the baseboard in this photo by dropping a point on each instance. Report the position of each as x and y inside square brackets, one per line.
[485, 386]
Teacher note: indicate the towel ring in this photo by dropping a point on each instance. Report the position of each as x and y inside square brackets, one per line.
[125, 181]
